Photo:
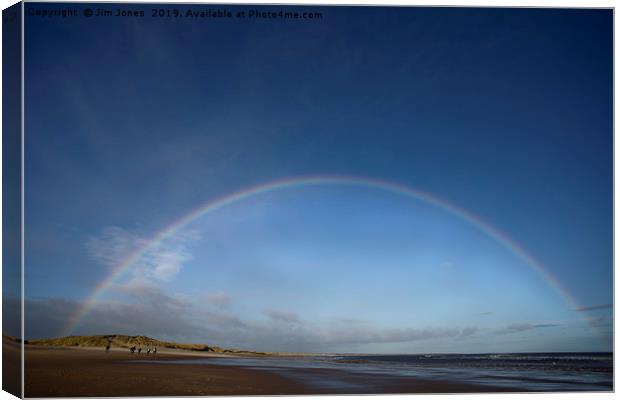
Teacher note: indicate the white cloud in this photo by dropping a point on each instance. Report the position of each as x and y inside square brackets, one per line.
[595, 307]
[113, 245]
[221, 300]
[167, 264]
[521, 327]
[282, 316]
[160, 261]
[167, 318]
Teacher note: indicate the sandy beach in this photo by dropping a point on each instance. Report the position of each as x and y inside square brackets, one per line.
[63, 371]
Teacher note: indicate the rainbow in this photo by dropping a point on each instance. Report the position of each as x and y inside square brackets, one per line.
[221, 202]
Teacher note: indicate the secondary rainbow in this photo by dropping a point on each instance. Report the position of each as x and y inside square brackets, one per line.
[236, 197]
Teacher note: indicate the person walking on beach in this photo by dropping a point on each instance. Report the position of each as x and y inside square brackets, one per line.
[148, 349]
[154, 350]
[140, 349]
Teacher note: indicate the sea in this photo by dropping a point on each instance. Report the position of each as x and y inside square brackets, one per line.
[535, 372]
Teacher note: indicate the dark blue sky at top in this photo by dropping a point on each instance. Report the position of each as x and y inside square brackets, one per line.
[505, 112]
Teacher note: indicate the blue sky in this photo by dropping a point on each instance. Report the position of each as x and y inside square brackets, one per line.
[506, 113]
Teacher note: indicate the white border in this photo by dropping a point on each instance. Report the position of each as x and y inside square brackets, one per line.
[479, 3]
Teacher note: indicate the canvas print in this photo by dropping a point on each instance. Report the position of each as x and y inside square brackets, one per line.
[228, 199]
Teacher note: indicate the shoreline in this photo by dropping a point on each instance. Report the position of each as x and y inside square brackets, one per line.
[86, 372]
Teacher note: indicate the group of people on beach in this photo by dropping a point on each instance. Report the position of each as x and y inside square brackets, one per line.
[133, 349]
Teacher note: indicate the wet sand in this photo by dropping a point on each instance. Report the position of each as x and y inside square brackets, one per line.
[58, 372]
